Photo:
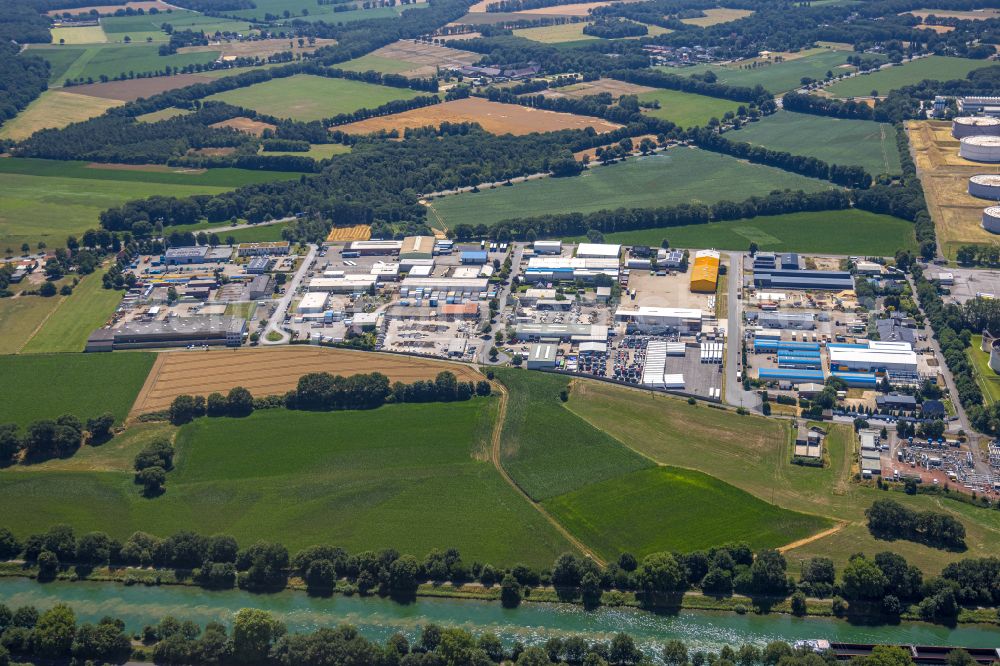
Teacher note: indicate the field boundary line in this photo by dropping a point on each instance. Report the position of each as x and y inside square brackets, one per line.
[496, 459]
[815, 537]
[147, 386]
[62, 299]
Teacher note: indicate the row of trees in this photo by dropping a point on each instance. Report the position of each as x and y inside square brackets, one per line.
[657, 79]
[888, 519]
[46, 439]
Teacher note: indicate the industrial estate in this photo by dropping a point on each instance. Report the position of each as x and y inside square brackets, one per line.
[418, 332]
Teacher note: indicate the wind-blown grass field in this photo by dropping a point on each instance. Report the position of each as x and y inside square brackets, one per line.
[834, 140]
[113, 60]
[418, 481]
[941, 68]
[75, 318]
[44, 386]
[687, 109]
[675, 176]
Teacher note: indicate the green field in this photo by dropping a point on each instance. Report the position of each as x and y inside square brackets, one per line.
[676, 176]
[753, 453]
[834, 140]
[989, 381]
[778, 77]
[687, 109]
[942, 68]
[19, 319]
[317, 12]
[68, 327]
[149, 25]
[59, 60]
[673, 509]
[113, 60]
[305, 478]
[49, 199]
[555, 34]
[83, 384]
[374, 63]
[317, 151]
[850, 231]
[307, 97]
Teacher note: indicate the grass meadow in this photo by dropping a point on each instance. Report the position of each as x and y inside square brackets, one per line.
[556, 34]
[778, 77]
[19, 319]
[687, 109]
[420, 481]
[675, 176]
[306, 97]
[989, 381]
[90, 34]
[75, 318]
[863, 143]
[849, 231]
[59, 59]
[753, 454]
[941, 68]
[113, 60]
[49, 385]
[54, 109]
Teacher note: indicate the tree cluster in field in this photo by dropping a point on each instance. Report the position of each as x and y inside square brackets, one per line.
[152, 464]
[22, 23]
[664, 13]
[181, 38]
[46, 439]
[826, 106]
[614, 28]
[24, 78]
[506, 6]
[387, 109]
[888, 519]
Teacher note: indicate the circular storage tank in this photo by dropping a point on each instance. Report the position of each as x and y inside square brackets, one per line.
[991, 219]
[980, 148]
[975, 126]
[995, 356]
[985, 186]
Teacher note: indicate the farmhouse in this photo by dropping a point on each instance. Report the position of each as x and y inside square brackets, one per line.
[176, 332]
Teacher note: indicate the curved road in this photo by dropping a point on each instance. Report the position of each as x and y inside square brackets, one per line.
[278, 317]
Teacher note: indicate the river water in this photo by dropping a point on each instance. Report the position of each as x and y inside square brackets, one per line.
[379, 618]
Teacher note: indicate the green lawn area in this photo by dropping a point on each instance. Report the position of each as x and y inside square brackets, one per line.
[87, 385]
[307, 97]
[370, 62]
[256, 234]
[20, 317]
[314, 12]
[419, 481]
[675, 176]
[673, 509]
[49, 199]
[849, 231]
[113, 60]
[863, 143]
[942, 68]
[67, 328]
[989, 381]
[555, 34]
[777, 77]
[59, 60]
[687, 109]
[317, 151]
[149, 25]
[244, 310]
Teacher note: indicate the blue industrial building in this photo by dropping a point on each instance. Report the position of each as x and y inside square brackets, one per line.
[473, 257]
[795, 376]
[857, 379]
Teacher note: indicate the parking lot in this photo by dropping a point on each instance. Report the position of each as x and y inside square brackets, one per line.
[969, 283]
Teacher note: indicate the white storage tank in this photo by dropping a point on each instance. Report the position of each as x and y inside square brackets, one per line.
[980, 148]
[995, 356]
[975, 126]
[985, 186]
[991, 219]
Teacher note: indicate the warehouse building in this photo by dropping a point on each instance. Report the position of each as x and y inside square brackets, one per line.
[262, 286]
[374, 247]
[563, 332]
[258, 265]
[803, 280]
[705, 271]
[464, 287]
[772, 261]
[531, 296]
[556, 269]
[798, 321]
[385, 272]
[174, 332]
[349, 284]
[313, 302]
[271, 248]
[652, 320]
[176, 256]
[417, 247]
[865, 380]
[547, 247]
[598, 251]
[473, 257]
[542, 356]
[979, 106]
[873, 356]
[790, 375]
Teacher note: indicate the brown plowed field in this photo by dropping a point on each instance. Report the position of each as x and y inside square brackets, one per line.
[493, 116]
[133, 89]
[343, 234]
[273, 371]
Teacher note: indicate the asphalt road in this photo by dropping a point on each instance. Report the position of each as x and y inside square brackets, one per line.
[734, 394]
[278, 317]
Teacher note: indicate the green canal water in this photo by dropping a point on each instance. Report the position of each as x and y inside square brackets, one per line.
[379, 618]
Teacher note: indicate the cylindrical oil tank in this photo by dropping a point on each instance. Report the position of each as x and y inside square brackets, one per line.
[991, 219]
[985, 186]
[975, 126]
[980, 148]
[995, 356]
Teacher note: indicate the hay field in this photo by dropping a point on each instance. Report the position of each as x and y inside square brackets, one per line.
[494, 117]
[412, 58]
[243, 124]
[957, 215]
[556, 34]
[687, 109]
[317, 151]
[346, 234]
[84, 34]
[719, 15]
[54, 109]
[273, 371]
[777, 77]
[974, 15]
[258, 47]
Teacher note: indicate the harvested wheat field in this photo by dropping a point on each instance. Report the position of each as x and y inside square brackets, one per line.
[344, 234]
[273, 371]
[584, 88]
[412, 58]
[247, 125]
[133, 89]
[492, 116]
[257, 47]
[945, 177]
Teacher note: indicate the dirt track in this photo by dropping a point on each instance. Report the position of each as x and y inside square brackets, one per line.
[273, 371]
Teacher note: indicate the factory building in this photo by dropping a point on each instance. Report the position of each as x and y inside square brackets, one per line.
[866, 380]
[979, 106]
[385, 272]
[705, 271]
[991, 219]
[374, 247]
[788, 261]
[803, 280]
[660, 320]
[176, 256]
[258, 265]
[547, 247]
[873, 357]
[972, 126]
[174, 332]
[263, 249]
[554, 269]
[313, 302]
[531, 296]
[985, 186]
[417, 247]
[464, 287]
[474, 257]
[598, 251]
[348, 284]
[542, 356]
[790, 375]
[564, 332]
[798, 321]
[980, 149]
[262, 286]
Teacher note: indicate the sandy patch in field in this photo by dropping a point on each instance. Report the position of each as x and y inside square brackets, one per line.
[133, 89]
[257, 47]
[274, 371]
[357, 232]
[247, 125]
[144, 5]
[494, 117]
[714, 16]
[613, 86]
[426, 58]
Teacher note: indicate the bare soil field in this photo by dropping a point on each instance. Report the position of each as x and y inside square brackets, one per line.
[273, 371]
[247, 125]
[494, 117]
[256, 47]
[344, 234]
[613, 86]
[133, 89]
[144, 5]
[945, 176]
